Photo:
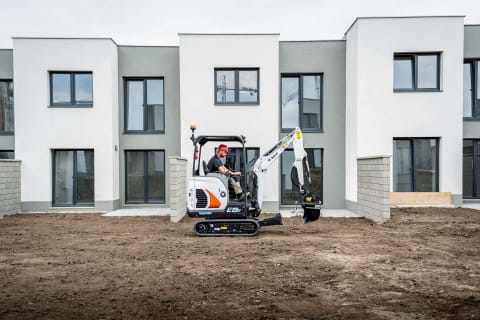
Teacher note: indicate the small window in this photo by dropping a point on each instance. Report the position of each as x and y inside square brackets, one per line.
[236, 86]
[301, 101]
[6, 107]
[416, 72]
[144, 105]
[471, 89]
[71, 89]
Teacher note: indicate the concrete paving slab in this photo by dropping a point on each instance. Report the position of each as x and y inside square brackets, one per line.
[326, 213]
[138, 212]
[475, 206]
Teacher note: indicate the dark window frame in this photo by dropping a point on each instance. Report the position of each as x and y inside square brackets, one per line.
[300, 102]
[237, 101]
[9, 133]
[413, 160]
[474, 72]
[320, 196]
[144, 105]
[475, 169]
[9, 151]
[74, 189]
[413, 56]
[145, 174]
[72, 103]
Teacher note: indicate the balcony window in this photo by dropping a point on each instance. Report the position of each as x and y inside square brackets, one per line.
[471, 89]
[6, 107]
[301, 102]
[144, 105]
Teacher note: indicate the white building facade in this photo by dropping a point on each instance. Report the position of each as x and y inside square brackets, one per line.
[95, 122]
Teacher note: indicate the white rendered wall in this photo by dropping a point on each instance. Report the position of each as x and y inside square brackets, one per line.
[199, 55]
[39, 129]
[382, 114]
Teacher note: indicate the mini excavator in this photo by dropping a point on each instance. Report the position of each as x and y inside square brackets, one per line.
[210, 197]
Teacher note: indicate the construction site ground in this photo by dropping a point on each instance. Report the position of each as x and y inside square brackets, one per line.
[422, 264]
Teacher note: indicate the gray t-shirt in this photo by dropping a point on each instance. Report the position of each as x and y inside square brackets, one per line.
[213, 164]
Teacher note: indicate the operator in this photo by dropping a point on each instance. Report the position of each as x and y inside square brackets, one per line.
[216, 165]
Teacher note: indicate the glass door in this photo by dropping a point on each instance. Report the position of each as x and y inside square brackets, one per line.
[471, 168]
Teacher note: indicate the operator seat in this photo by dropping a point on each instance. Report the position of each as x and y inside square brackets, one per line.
[205, 167]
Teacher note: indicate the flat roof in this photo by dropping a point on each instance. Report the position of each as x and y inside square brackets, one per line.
[228, 34]
[328, 40]
[399, 17]
[66, 38]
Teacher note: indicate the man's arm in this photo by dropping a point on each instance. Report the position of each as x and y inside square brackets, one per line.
[226, 171]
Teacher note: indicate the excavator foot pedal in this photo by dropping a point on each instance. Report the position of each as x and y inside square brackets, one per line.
[275, 221]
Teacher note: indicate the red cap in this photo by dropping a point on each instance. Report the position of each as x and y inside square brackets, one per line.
[223, 147]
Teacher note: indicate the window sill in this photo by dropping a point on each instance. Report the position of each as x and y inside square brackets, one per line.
[255, 104]
[7, 133]
[143, 204]
[145, 132]
[416, 90]
[303, 130]
[71, 106]
[471, 119]
[78, 206]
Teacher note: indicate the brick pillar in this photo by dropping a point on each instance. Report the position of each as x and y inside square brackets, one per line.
[178, 188]
[9, 187]
[373, 188]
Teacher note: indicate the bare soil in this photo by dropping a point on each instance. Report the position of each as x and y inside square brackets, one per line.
[422, 264]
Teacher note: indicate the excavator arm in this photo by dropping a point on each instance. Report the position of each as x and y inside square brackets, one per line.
[300, 173]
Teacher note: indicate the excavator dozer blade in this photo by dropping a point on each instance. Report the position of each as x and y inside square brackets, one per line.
[310, 214]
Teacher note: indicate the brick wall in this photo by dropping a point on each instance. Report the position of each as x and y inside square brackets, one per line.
[9, 187]
[373, 189]
[178, 188]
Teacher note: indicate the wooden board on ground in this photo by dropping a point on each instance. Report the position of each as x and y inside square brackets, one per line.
[420, 198]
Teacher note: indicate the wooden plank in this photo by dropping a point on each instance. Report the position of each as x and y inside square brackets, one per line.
[420, 198]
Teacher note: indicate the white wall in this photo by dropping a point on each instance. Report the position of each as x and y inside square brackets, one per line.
[39, 129]
[199, 55]
[382, 114]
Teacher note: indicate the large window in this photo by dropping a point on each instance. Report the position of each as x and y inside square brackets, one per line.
[144, 105]
[471, 88]
[471, 168]
[302, 102]
[73, 178]
[416, 72]
[290, 193]
[415, 165]
[71, 89]
[7, 154]
[145, 176]
[6, 107]
[236, 86]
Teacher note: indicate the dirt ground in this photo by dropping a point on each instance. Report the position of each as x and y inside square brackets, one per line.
[422, 264]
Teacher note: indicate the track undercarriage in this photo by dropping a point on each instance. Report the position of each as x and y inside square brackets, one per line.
[234, 227]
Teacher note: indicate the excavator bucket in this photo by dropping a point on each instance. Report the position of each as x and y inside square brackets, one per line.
[310, 214]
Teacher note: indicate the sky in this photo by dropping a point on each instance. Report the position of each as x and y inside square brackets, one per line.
[158, 22]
